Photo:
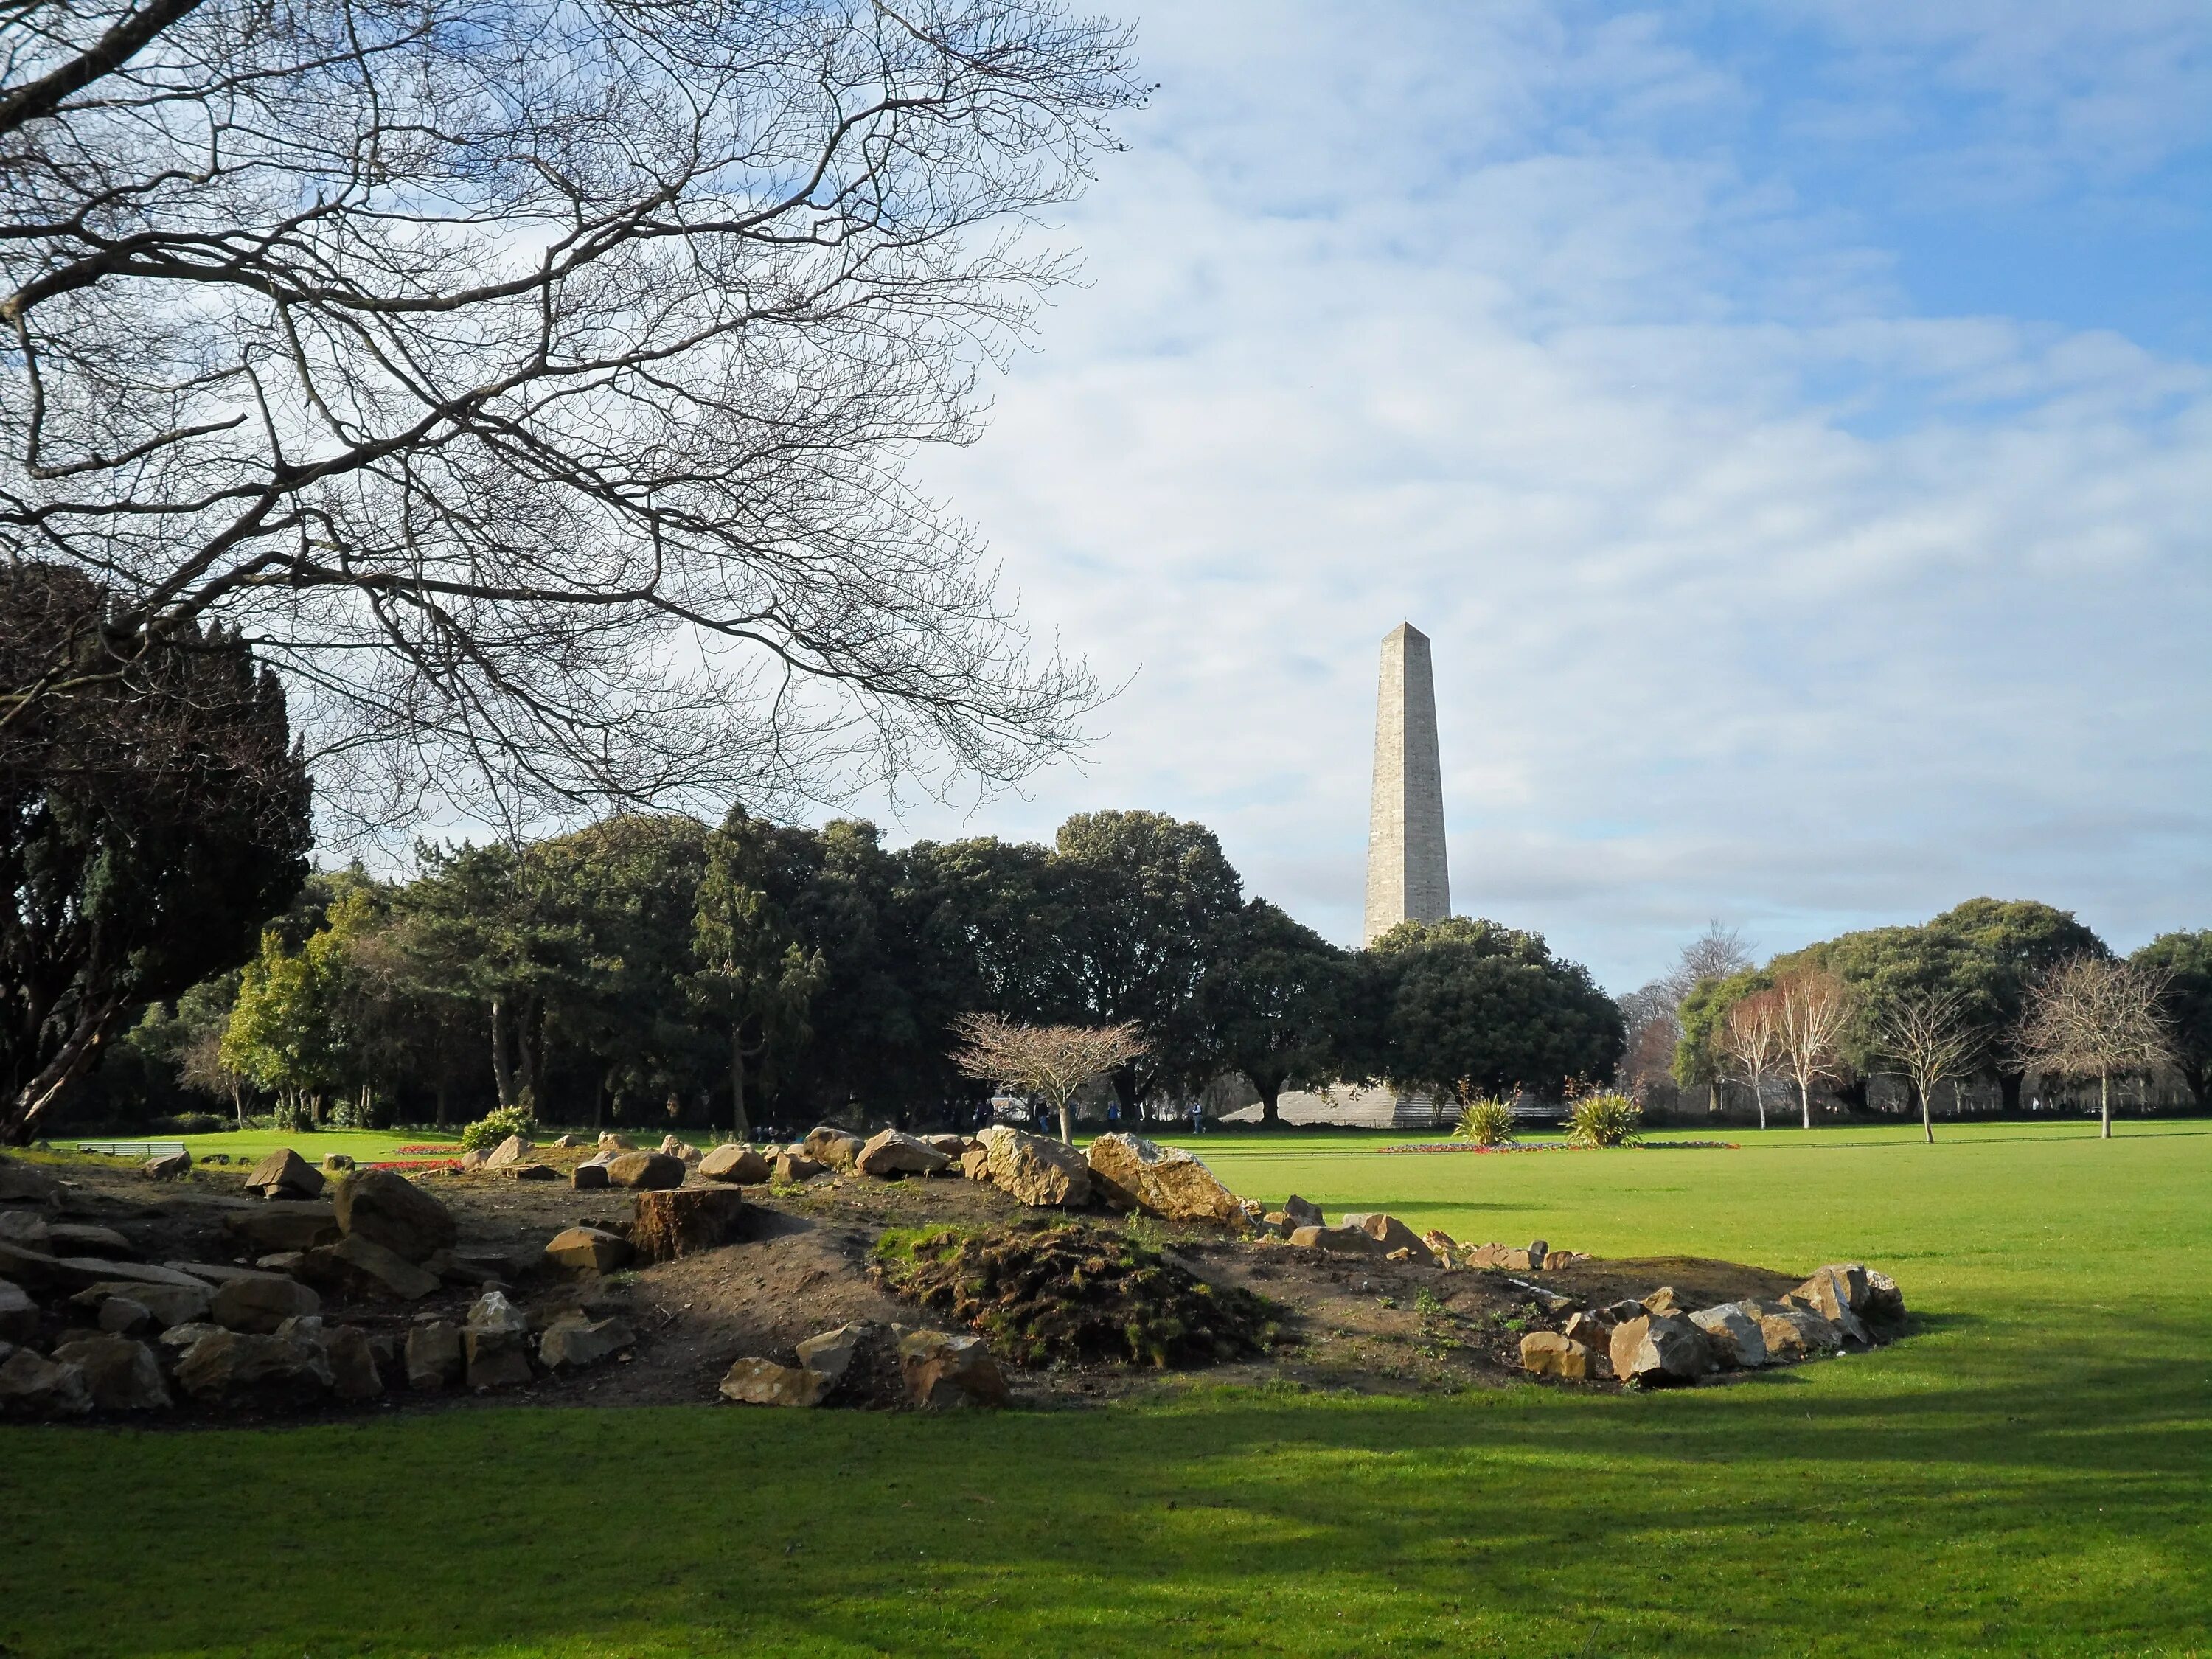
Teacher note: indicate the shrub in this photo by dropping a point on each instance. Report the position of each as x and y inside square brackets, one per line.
[1604, 1120]
[195, 1123]
[496, 1126]
[1487, 1122]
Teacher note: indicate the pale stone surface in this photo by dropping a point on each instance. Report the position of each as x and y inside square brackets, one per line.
[385, 1207]
[434, 1355]
[1345, 1240]
[516, 1149]
[1405, 873]
[1734, 1335]
[363, 1267]
[1387, 1231]
[764, 1383]
[285, 1174]
[741, 1165]
[32, 1385]
[1034, 1170]
[1548, 1353]
[944, 1371]
[575, 1341]
[1134, 1173]
[588, 1247]
[260, 1304]
[893, 1152]
[1660, 1348]
[647, 1171]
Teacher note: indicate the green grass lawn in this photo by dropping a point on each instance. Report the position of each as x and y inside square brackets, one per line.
[2031, 1473]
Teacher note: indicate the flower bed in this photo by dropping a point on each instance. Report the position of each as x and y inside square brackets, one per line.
[452, 1149]
[1555, 1146]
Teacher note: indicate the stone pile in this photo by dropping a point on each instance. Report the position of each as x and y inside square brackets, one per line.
[876, 1364]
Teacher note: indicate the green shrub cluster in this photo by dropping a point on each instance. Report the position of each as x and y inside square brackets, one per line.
[496, 1126]
[1487, 1122]
[1604, 1120]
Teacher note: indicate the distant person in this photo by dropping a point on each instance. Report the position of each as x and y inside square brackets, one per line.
[1197, 1117]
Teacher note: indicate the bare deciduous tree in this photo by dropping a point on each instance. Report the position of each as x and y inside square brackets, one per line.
[2092, 1016]
[532, 381]
[1750, 1036]
[1718, 952]
[1051, 1060]
[1811, 1008]
[1928, 1032]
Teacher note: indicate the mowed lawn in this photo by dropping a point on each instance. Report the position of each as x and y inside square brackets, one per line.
[2030, 1472]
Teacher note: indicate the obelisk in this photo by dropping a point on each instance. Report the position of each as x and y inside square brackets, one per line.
[1406, 879]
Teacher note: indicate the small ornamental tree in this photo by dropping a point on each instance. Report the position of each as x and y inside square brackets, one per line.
[1813, 1008]
[1930, 1034]
[2092, 1016]
[1750, 1037]
[1051, 1060]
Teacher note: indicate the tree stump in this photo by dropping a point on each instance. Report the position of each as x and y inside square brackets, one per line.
[683, 1220]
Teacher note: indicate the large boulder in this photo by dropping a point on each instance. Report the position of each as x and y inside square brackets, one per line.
[19, 1314]
[26, 1183]
[166, 1304]
[646, 1171]
[285, 1175]
[975, 1162]
[1388, 1231]
[285, 1225]
[352, 1360]
[1548, 1353]
[1338, 1241]
[1793, 1333]
[764, 1383]
[258, 1303]
[740, 1165]
[1132, 1173]
[894, 1153]
[1734, 1332]
[588, 1249]
[1838, 1293]
[385, 1207]
[516, 1149]
[574, 1341]
[837, 1148]
[589, 1177]
[435, 1358]
[795, 1168]
[40, 1274]
[1034, 1169]
[611, 1142]
[121, 1374]
[26, 1229]
[1304, 1212]
[360, 1267]
[496, 1341]
[168, 1166]
[231, 1365]
[31, 1385]
[81, 1238]
[944, 1370]
[1659, 1349]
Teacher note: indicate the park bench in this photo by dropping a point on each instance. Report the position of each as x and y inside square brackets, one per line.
[139, 1149]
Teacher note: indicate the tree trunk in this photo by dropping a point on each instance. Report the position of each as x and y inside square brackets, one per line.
[2104, 1104]
[445, 1090]
[74, 1059]
[1759, 1095]
[1269, 1116]
[1927, 1120]
[739, 1122]
[530, 1044]
[1066, 1119]
[2008, 1088]
[1805, 1099]
[503, 1073]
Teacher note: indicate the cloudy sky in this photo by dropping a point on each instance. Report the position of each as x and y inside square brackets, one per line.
[1792, 423]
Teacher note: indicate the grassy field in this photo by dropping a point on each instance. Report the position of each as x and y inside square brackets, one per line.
[2031, 1473]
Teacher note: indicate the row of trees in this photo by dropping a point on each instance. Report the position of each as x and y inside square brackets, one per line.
[649, 964]
[1988, 991]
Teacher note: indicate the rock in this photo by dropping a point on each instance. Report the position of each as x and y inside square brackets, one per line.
[121, 1374]
[288, 1262]
[285, 1175]
[19, 1314]
[361, 1266]
[32, 1385]
[1442, 1242]
[471, 1162]
[1130, 1172]
[285, 1225]
[1387, 1231]
[76, 1238]
[1884, 1312]
[229, 1363]
[169, 1166]
[496, 1343]
[829, 1354]
[1279, 1223]
[1548, 1353]
[1594, 1328]
[1834, 1292]
[336, 1164]
[182, 1336]
[893, 1152]
[1628, 1308]
[646, 1171]
[794, 1169]
[205, 1274]
[953, 1146]
[673, 1146]
[258, 1304]
[670, 1224]
[611, 1142]
[1405, 1254]
[574, 1341]
[1664, 1301]
[975, 1163]
[1555, 1260]
[567, 1143]
[385, 1207]
[1338, 1241]
[509, 1152]
[39, 1272]
[1734, 1335]
[589, 1177]
[1793, 1333]
[588, 1247]
[452, 1269]
[1539, 1249]
[26, 1183]
[1304, 1212]
[1551, 1302]
[832, 1147]
[739, 1164]
[121, 1317]
[353, 1373]
[1656, 1349]
[944, 1371]
[434, 1355]
[532, 1172]
[24, 1227]
[764, 1383]
[1035, 1171]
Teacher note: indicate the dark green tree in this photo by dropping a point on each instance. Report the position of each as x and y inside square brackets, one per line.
[754, 977]
[1697, 1057]
[151, 819]
[1273, 1000]
[2186, 959]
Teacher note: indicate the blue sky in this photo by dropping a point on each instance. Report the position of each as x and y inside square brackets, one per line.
[1792, 423]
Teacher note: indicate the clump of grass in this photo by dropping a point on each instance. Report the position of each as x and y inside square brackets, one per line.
[1604, 1120]
[1487, 1122]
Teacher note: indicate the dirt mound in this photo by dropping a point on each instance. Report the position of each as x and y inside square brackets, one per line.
[1057, 1293]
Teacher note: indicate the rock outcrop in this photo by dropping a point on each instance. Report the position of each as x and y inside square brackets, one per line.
[1132, 1173]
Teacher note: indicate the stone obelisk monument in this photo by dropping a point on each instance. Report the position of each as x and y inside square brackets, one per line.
[1406, 879]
